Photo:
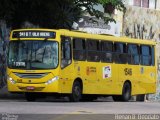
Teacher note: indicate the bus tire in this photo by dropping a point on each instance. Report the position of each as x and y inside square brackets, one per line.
[30, 97]
[140, 98]
[76, 94]
[126, 92]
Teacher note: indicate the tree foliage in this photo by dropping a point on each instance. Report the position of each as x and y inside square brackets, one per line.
[52, 13]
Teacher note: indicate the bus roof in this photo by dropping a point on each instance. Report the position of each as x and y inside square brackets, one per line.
[81, 34]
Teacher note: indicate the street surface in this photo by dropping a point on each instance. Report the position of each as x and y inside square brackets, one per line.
[21, 106]
[44, 109]
[16, 107]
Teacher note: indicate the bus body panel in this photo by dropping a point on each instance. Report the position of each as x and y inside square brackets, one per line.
[39, 84]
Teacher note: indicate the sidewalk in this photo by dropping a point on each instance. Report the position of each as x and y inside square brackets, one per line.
[4, 94]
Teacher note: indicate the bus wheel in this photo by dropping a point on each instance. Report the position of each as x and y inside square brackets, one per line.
[30, 97]
[140, 98]
[76, 94]
[126, 92]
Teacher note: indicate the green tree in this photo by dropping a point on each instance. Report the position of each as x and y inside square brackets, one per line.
[53, 13]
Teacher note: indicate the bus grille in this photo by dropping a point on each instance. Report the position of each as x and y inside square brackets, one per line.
[31, 75]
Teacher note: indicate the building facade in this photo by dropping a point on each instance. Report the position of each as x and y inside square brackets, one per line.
[142, 21]
[87, 24]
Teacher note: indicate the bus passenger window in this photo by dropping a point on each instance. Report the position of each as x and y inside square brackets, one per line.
[93, 53]
[107, 49]
[120, 55]
[145, 55]
[79, 52]
[65, 52]
[108, 57]
[133, 54]
[152, 54]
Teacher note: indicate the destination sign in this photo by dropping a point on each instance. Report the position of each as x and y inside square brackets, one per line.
[33, 34]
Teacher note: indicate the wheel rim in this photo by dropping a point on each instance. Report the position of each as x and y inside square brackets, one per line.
[127, 92]
[77, 92]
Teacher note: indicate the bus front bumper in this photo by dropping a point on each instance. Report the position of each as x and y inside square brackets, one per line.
[42, 87]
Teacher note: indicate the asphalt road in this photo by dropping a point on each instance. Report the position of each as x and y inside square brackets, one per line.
[63, 107]
[62, 110]
[16, 107]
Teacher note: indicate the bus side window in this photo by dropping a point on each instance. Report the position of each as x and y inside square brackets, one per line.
[120, 55]
[153, 56]
[133, 54]
[107, 49]
[66, 56]
[79, 52]
[145, 55]
[93, 50]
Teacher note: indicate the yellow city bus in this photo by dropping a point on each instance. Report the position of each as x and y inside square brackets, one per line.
[79, 65]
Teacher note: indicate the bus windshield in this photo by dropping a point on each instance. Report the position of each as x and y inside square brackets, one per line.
[32, 54]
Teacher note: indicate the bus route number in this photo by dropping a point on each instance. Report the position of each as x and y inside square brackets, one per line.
[128, 71]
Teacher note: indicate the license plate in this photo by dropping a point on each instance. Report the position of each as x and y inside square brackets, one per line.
[30, 88]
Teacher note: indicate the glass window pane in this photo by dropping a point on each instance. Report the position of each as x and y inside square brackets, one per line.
[106, 56]
[79, 55]
[79, 52]
[152, 4]
[153, 56]
[133, 54]
[93, 53]
[120, 47]
[66, 56]
[107, 46]
[93, 44]
[93, 56]
[120, 55]
[33, 54]
[78, 44]
[137, 3]
[145, 50]
[145, 3]
[145, 55]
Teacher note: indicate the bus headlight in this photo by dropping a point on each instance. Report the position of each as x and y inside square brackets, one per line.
[11, 80]
[52, 80]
